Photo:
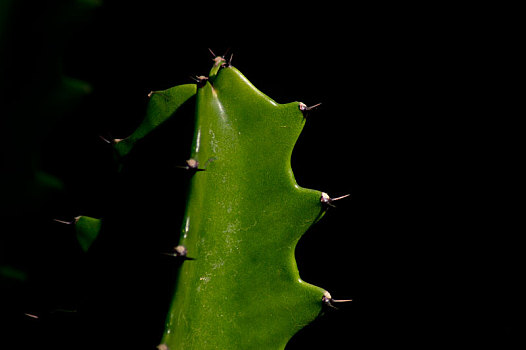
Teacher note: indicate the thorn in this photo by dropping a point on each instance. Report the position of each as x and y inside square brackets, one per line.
[104, 139]
[219, 60]
[342, 197]
[191, 164]
[65, 222]
[228, 63]
[31, 315]
[328, 300]
[341, 300]
[326, 200]
[179, 252]
[304, 109]
[109, 140]
[200, 80]
[75, 220]
[315, 106]
[178, 256]
[162, 347]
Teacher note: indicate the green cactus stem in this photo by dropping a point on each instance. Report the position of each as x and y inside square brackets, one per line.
[245, 213]
[244, 217]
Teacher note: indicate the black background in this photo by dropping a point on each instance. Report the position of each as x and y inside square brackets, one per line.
[399, 129]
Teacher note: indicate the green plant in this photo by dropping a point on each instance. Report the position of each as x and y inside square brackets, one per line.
[239, 287]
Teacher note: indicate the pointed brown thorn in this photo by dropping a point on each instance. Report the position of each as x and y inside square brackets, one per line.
[65, 222]
[304, 108]
[314, 106]
[104, 139]
[341, 300]
[109, 140]
[218, 60]
[191, 164]
[180, 252]
[341, 197]
[214, 56]
[75, 220]
[200, 80]
[329, 301]
[327, 200]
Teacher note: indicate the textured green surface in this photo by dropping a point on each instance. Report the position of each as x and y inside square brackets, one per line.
[244, 216]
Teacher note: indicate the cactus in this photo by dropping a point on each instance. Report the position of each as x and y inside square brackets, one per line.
[239, 286]
[244, 216]
[238, 278]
